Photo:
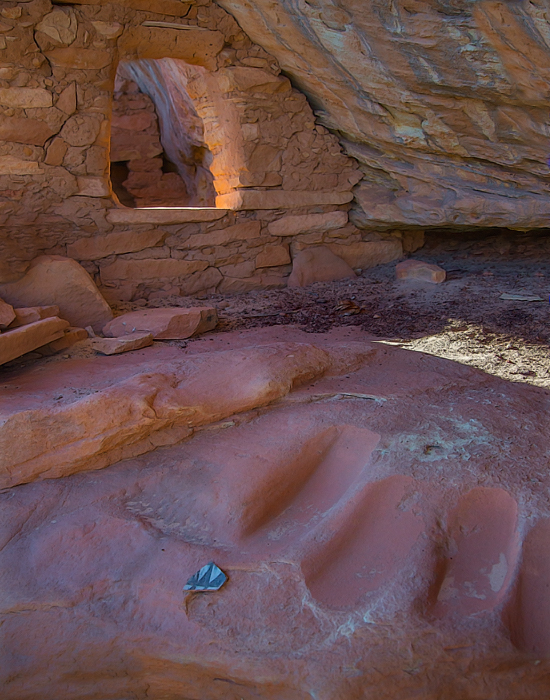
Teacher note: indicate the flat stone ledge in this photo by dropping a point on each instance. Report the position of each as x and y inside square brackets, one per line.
[165, 215]
[279, 199]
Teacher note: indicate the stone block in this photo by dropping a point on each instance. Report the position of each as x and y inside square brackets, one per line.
[366, 254]
[81, 130]
[70, 336]
[293, 225]
[273, 256]
[318, 264]
[244, 200]
[204, 281]
[66, 101]
[138, 121]
[173, 8]
[131, 146]
[54, 280]
[196, 46]
[80, 59]
[165, 323]
[115, 346]
[59, 25]
[25, 98]
[32, 314]
[248, 79]
[243, 269]
[418, 270]
[7, 314]
[11, 165]
[244, 231]
[30, 131]
[138, 271]
[93, 186]
[412, 240]
[19, 341]
[56, 152]
[164, 215]
[97, 247]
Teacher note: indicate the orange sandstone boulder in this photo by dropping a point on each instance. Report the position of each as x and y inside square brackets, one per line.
[164, 324]
[59, 281]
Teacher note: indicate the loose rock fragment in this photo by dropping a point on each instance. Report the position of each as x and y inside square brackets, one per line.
[164, 324]
[125, 343]
[418, 270]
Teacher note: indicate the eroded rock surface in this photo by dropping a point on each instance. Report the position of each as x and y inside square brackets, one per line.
[371, 523]
[443, 103]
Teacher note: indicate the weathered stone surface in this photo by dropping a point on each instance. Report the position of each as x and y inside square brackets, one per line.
[89, 431]
[437, 105]
[66, 101]
[198, 47]
[17, 342]
[412, 241]
[11, 165]
[81, 130]
[126, 343]
[279, 199]
[93, 186]
[244, 231]
[164, 215]
[293, 225]
[54, 280]
[165, 323]
[70, 337]
[79, 58]
[318, 264]
[418, 270]
[142, 270]
[272, 256]
[128, 146]
[31, 131]
[56, 152]
[290, 501]
[365, 254]
[59, 25]
[97, 247]
[175, 8]
[25, 97]
[31, 314]
[7, 314]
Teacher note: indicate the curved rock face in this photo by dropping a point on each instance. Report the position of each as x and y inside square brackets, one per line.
[445, 103]
[381, 516]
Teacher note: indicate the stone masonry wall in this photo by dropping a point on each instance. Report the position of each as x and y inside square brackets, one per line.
[282, 180]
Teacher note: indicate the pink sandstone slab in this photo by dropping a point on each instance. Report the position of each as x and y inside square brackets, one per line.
[164, 323]
[125, 343]
[324, 509]
[17, 342]
[164, 215]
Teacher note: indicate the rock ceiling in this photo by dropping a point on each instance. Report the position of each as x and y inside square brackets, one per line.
[445, 102]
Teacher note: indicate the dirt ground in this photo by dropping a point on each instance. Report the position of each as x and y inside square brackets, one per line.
[462, 319]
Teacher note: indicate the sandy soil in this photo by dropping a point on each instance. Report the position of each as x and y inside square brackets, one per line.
[462, 319]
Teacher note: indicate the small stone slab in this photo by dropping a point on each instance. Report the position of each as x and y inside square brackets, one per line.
[125, 343]
[418, 270]
[70, 336]
[17, 342]
[31, 314]
[7, 314]
[164, 324]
